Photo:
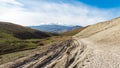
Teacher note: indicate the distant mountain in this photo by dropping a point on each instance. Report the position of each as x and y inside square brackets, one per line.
[54, 28]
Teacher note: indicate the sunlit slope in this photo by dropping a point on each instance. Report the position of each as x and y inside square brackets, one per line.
[96, 28]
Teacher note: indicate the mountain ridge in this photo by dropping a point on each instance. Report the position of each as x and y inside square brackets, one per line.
[54, 28]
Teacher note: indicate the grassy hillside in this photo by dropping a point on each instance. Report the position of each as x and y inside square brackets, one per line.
[8, 43]
[13, 37]
[22, 32]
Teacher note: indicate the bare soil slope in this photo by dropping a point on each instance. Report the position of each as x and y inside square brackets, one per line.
[99, 27]
[104, 39]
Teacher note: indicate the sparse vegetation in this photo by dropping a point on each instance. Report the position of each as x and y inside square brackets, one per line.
[13, 37]
[8, 44]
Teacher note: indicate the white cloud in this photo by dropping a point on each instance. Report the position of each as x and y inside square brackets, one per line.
[43, 12]
[11, 2]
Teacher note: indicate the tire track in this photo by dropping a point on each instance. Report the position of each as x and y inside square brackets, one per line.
[31, 61]
[72, 52]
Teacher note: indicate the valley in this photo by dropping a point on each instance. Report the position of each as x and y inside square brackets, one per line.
[59, 33]
[95, 46]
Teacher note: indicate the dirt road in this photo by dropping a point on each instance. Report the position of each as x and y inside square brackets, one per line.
[72, 53]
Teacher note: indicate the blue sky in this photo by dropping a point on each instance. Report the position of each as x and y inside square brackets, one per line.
[102, 3]
[64, 12]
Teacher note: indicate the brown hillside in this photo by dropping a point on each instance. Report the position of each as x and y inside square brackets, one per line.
[21, 31]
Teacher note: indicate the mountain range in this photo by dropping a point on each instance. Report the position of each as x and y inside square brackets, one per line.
[55, 28]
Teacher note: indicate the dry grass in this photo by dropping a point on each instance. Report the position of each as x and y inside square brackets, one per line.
[104, 33]
[96, 28]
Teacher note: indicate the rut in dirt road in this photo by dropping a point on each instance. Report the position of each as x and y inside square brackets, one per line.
[67, 54]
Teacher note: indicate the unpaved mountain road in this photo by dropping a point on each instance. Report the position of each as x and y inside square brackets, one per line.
[72, 53]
